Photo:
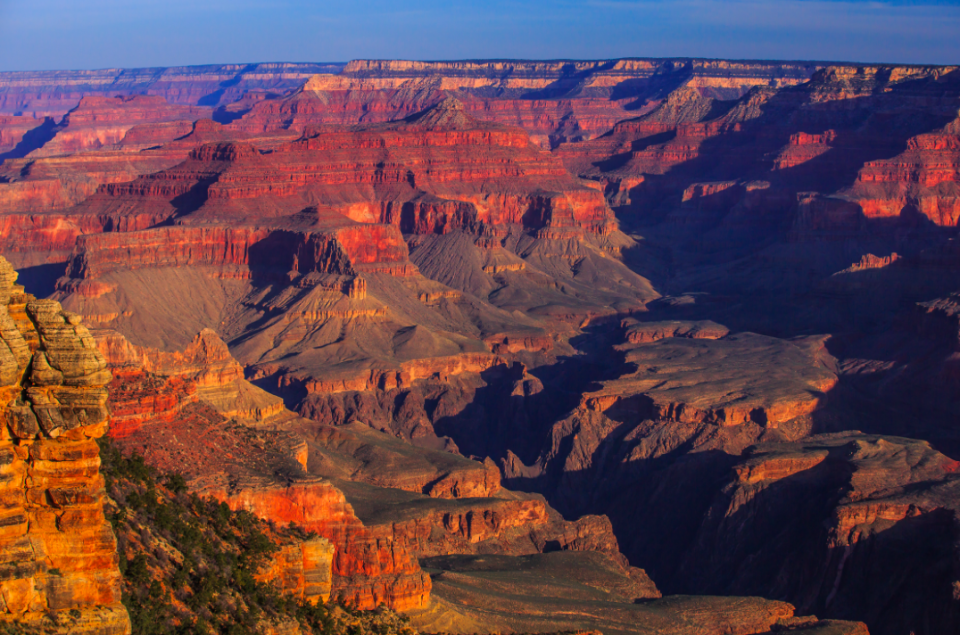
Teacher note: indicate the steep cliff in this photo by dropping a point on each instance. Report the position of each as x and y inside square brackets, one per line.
[59, 551]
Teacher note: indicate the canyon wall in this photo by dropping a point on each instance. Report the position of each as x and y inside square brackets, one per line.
[59, 551]
[53, 93]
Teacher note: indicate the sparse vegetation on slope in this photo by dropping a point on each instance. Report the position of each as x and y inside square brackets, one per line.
[191, 565]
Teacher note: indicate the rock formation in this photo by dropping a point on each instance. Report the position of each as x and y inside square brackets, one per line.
[835, 510]
[170, 407]
[637, 292]
[53, 93]
[554, 101]
[97, 122]
[59, 551]
[308, 217]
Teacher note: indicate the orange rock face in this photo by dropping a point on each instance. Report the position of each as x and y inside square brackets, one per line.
[303, 570]
[368, 570]
[58, 549]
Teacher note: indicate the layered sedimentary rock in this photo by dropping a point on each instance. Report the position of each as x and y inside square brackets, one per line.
[42, 93]
[40, 225]
[554, 101]
[311, 238]
[153, 386]
[637, 332]
[59, 551]
[368, 570]
[768, 146]
[170, 407]
[97, 122]
[418, 189]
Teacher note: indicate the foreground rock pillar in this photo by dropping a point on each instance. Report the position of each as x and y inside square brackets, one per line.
[58, 554]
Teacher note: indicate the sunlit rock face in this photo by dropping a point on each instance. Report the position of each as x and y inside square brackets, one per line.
[59, 552]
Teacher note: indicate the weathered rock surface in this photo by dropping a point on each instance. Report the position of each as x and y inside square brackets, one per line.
[637, 332]
[172, 409]
[368, 570]
[59, 553]
[725, 381]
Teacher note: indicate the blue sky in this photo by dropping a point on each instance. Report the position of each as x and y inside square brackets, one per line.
[86, 34]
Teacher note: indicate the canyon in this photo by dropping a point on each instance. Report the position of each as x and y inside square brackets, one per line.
[629, 345]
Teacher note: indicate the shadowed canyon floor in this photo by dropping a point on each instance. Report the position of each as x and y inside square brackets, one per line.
[532, 344]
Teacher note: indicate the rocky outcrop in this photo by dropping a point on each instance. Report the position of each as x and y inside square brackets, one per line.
[637, 332]
[834, 508]
[59, 552]
[368, 570]
[303, 570]
[763, 380]
[152, 386]
[171, 408]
